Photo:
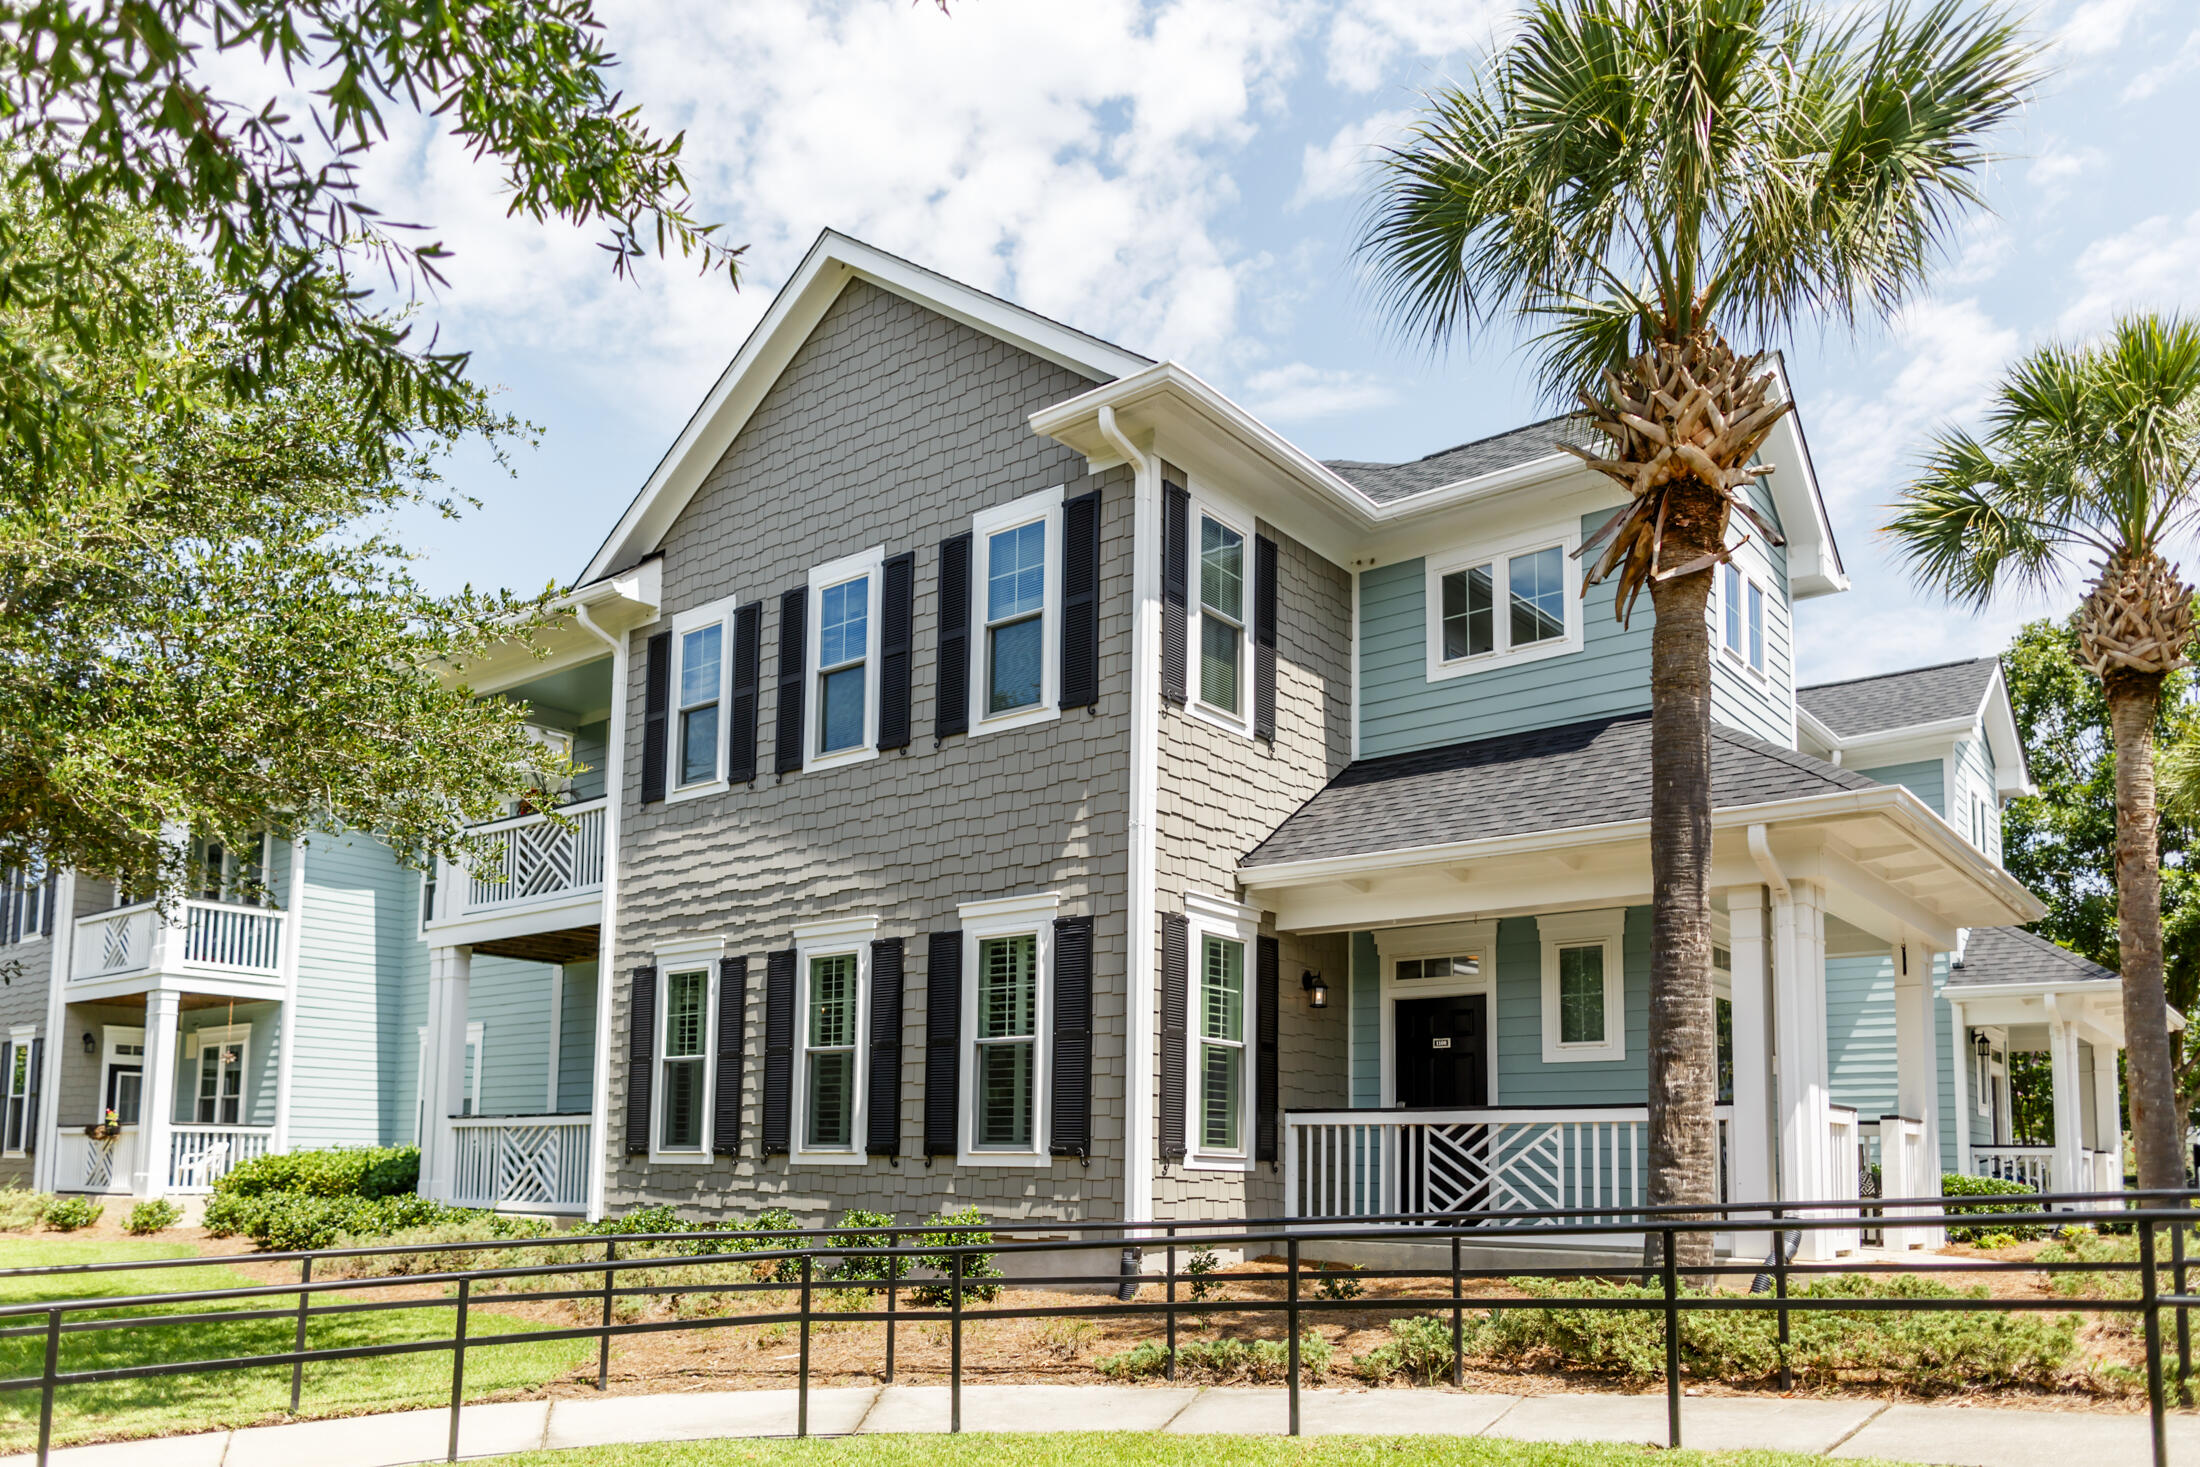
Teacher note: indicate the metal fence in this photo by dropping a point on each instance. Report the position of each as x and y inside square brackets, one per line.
[807, 1261]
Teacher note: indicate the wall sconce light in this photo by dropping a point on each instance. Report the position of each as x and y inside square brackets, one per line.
[91, 1045]
[1982, 1045]
[1317, 992]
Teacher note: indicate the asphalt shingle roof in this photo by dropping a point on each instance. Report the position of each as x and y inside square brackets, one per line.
[1578, 774]
[1384, 483]
[1868, 705]
[2013, 955]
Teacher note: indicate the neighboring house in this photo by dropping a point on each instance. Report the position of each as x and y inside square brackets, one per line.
[1034, 782]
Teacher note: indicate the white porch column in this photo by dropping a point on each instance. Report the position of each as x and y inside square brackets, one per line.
[1799, 1028]
[157, 1100]
[1959, 1055]
[1751, 1163]
[2062, 1059]
[1917, 1072]
[2108, 1116]
[443, 1079]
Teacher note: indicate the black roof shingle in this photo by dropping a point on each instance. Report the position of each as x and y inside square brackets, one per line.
[1889, 700]
[2013, 955]
[1578, 774]
[1385, 483]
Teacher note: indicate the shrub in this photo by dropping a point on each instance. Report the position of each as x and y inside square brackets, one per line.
[1201, 1268]
[21, 1208]
[1419, 1348]
[1336, 1281]
[479, 1228]
[340, 1171]
[67, 1214]
[860, 1233]
[151, 1217]
[977, 1265]
[1222, 1360]
[1955, 1185]
[288, 1222]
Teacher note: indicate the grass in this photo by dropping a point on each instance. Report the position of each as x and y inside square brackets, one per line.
[162, 1404]
[1145, 1449]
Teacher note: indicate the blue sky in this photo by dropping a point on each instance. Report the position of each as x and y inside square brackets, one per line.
[1183, 177]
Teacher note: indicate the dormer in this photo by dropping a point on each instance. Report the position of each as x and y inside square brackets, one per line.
[1946, 733]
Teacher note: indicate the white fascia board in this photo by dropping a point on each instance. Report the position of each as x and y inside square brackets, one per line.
[1818, 733]
[1814, 558]
[831, 263]
[616, 603]
[2012, 777]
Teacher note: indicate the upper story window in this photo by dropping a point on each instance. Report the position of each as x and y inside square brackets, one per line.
[1488, 608]
[1741, 617]
[700, 644]
[844, 601]
[1221, 616]
[26, 903]
[1017, 599]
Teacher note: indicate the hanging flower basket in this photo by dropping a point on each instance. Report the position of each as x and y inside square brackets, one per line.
[102, 1131]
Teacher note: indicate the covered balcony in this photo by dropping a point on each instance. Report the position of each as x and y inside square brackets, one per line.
[196, 938]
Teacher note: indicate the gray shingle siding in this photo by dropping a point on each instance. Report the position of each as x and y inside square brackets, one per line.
[890, 427]
[1868, 705]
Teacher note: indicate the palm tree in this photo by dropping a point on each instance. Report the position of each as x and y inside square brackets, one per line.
[2092, 451]
[1636, 179]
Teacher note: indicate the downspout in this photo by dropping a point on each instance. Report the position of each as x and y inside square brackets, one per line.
[1139, 998]
[294, 922]
[599, 1113]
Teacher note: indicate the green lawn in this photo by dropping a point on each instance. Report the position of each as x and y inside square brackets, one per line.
[1145, 1449]
[163, 1404]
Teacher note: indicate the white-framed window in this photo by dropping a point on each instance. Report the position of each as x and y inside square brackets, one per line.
[18, 1082]
[683, 1058]
[1495, 606]
[1584, 986]
[1741, 617]
[843, 672]
[218, 1093]
[702, 649]
[122, 1072]
[1220, 1073]
[1007, 1012]
[1016, 606]
[1218, 651]
[832, 1003]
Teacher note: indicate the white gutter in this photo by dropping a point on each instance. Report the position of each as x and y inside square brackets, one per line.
[599, 1140]
[1138, 1002]
[1760, 851]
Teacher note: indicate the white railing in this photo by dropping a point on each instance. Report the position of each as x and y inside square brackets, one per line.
[233, 939]
[200, 1155]
[1909, 1166]
[1845, 1160]
[217, 937]
[1483, 1162]
[2034, 1166]
[82, 1164]
[533, 859]
[531, 1163]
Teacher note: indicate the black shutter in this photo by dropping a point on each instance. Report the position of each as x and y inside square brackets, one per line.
[30, 1103]
[778, 1050]
[943, 966]
[1264, 638]
[1176, 587]
[951, 704]
[794, 635]
[1069, 1122]
[725, 1101]
[1267, 995]
[1175, 999]
[1081, 601]
[897, 639]
[748, 636]
[51, 889]
[656, 711]
[882, 1119]
[11, 908]
[641, 1057]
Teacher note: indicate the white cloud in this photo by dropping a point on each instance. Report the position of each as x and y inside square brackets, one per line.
[1298, 392]
[1338, 169]
[2184, 61]
[2154, 263]
[1370, 41]
[1983, 246]
[2097, 27]
[2054, 170]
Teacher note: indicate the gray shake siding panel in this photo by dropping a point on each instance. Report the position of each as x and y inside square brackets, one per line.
[23, 1004]
[891, 427]
[1220, 794]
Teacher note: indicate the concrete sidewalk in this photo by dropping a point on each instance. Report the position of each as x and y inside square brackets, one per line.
[1970, 1435]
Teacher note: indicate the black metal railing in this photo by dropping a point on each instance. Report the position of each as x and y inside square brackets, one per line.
[800, 1261]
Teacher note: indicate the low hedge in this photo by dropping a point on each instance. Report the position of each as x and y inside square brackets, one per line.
[338, 1171]
[1956, 1185]
[288, 1222]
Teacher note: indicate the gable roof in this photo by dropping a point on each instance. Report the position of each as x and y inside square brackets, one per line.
[1385, 483]
[1884, 701]
[1579, 774]
[831, 263]
[1995, 955]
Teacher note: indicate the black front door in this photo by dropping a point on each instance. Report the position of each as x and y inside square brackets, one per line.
[1439, 1048]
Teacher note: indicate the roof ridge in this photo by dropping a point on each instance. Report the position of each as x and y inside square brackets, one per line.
[1873, 677]
[1373, 463]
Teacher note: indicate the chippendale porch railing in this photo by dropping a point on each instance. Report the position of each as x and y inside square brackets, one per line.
[530, 1163]
[1487, 1161]
[196, 936]
[535, 859]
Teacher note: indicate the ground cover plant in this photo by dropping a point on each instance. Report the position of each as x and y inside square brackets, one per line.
[151, 1217]
[1958, 1185]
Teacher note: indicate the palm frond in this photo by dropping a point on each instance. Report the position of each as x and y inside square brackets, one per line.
[1969, 527]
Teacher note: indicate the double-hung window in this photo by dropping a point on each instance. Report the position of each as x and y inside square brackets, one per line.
[1016, 593]
[1488, 608]
[220, 1098]
[1221, 1056]
[1741, 617]
[684, 1061]
[18, 1080]
[832, 979]
[1222, 616]
[699, 649]
[1008, 959]
[844, 607]
[1730, 586]
[1584, 1016]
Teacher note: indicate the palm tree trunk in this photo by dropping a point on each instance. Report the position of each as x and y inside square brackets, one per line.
[1683, 1084]
[2157, 1124]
